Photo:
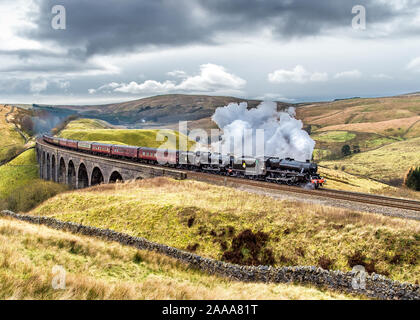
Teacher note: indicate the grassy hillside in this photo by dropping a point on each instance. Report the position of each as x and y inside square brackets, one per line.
[381, 132]
[394, 127]
[386, 163]
[100, 270]
[18, 172]
[162, 109]
[11, 141]
[87, 129]
[20, 187]
[88, 124]
[349, 111]
[176, 213]
[340, 180]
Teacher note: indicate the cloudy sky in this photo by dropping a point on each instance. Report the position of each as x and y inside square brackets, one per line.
[290, 50]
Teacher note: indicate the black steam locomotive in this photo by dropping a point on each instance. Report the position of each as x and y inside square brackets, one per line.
[272, 169]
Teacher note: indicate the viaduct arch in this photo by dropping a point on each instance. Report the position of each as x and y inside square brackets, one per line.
[81, 170]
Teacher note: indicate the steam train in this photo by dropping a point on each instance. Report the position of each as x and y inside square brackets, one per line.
[271, 169]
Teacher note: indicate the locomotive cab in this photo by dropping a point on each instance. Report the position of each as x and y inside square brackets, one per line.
[248, 165]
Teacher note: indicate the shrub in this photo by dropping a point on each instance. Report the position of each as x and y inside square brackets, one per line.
[13, 152]
[345, 150]
[27, 125]
[412, 179]
[137, 258]
[31, 195]
[63, 124]
[190, 222]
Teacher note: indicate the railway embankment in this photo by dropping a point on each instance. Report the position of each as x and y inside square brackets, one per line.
[393, 207]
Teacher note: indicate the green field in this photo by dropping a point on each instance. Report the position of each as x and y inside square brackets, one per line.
[386, 163]
[334, 136]
[20, 186]
[329, 143]
[177, 214]
[86, 129]
[87, 124]
[18, 173]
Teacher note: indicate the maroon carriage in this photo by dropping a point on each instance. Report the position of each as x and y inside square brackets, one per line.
[72, 144]
[147, 154]
[63, 143]
[101, 148]
[124, 151]
[167, 157]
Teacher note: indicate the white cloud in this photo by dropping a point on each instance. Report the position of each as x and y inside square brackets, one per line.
[38, 85]
[298, 75]
[146, 86]
[177, 74]
[15, 17]
[352, 74]
[212, 78]
[414, 65]
[319, 77]
[382, 76]
[274, 97]
[109, 86]
[62, 84]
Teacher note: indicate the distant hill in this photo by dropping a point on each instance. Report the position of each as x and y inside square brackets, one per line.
[383, 133]
[162, 109]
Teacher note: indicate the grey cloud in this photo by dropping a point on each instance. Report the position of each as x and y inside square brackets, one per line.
[51, 67]
[113, 25]
[109, 26]
[29, 53]
[297, 18]
[119, 27]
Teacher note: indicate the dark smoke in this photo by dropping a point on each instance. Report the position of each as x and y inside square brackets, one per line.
[46, 119]
[45, 125]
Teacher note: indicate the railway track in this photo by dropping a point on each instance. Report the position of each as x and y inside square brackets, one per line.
[383, 201]
[404, 204]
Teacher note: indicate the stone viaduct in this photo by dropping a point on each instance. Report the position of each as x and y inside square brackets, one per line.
[81, 170]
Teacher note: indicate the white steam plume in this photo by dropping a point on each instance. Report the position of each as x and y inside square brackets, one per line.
[283, 134]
